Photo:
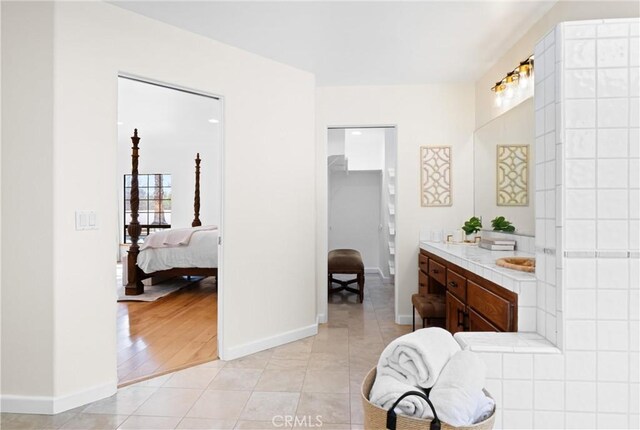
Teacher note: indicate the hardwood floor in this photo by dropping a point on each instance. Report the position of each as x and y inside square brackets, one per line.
[177, 331]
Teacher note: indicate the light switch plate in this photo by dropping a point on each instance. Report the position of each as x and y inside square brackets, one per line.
[86, 220]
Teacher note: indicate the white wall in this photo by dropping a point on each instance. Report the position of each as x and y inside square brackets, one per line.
[563, 10]
[425, 115]
[354, 213]
[65, 130]
[27, 190]
[173, 126]
[336, 142]
[364, 148]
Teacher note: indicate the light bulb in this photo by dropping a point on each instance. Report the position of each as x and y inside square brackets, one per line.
[508, 93]
[498, 99]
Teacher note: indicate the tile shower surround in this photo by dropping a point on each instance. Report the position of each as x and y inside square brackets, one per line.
[587, 194]
[587, 237]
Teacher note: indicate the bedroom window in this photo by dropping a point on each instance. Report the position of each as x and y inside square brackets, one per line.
[155, 203]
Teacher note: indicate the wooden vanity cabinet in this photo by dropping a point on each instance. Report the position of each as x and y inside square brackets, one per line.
[437, 271]
[457, 285]
[456, 310]
[473, 303]
[477, 323]
[428, 270]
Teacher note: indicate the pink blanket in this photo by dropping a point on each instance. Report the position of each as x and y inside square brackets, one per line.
[173, 237]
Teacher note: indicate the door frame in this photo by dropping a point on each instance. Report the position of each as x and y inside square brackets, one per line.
[322, 308]
[220, 167]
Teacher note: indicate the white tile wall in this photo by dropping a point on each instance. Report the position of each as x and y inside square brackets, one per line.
[587, 223]
[613, 142]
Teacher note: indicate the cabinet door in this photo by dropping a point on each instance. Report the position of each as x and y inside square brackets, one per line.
[477, 323]
[423, 283]
[455, 314]
[491, 307]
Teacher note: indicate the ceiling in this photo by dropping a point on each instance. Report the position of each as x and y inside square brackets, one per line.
[166, 118]
[361, 42]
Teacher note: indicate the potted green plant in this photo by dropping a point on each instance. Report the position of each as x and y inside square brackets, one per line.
[472, 227]
[501, 224]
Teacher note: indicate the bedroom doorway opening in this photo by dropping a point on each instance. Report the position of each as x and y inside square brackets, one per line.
[167, 287]
[361, 194]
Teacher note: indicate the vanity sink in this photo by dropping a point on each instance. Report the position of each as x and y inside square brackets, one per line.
[524, 264]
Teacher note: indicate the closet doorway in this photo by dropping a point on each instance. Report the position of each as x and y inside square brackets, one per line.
[361, 190]
[169, 320]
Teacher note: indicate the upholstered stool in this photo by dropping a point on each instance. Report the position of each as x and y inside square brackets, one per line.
[429, 306]
[346, 261]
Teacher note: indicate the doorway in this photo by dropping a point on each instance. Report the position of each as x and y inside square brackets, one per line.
[361, 194]
[173, 324]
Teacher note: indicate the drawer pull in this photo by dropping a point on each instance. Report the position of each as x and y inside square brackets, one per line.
[453, 284]
[460, 318]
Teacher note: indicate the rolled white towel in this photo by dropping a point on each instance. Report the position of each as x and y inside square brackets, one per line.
[486, 406]
[457, 395]
[386, 390]
[417, 358]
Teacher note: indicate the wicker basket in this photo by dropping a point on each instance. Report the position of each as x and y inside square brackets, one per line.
[375, 418]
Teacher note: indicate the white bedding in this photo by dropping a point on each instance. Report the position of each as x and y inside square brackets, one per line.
[201, 252]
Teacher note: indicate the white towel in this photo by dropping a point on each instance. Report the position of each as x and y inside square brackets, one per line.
[386, 390]
[173, 237]
[417, 358]
[457, 395]
[486, 406]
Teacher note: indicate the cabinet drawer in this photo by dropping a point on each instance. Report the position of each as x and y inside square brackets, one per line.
[491, 307]
[437, 272]
[423, 263]
[457, 285]
[477, 323]
[423, 282]
[455, 314]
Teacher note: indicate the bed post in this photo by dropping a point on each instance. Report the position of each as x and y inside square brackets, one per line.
[196, 197]
[134, 284]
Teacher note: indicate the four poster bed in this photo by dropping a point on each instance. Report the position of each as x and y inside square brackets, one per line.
[172, 252]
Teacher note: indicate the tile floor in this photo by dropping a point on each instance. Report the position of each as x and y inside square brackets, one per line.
[317, 378]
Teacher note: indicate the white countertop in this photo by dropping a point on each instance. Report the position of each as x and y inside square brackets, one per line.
[482, 262]
[505, 342]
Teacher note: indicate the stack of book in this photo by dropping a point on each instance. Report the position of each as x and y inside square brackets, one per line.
[498, 244]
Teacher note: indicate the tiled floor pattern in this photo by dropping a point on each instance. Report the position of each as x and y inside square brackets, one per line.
[316, 380]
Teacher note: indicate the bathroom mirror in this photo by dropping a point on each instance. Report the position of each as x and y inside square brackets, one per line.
[504, 169]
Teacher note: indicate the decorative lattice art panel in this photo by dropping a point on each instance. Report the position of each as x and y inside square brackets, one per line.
[512, 176]
[435, 175]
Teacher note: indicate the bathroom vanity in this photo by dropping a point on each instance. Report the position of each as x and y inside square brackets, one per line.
[480, 296]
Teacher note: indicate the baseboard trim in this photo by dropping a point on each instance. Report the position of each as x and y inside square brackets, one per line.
[48, 405]
[385, 279]
[269, 342]
[375, 270]
[321, 318]
[404, 319]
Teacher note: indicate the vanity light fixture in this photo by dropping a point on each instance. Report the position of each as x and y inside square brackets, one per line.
[214, 121]
[517, 79]
[525, 71]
